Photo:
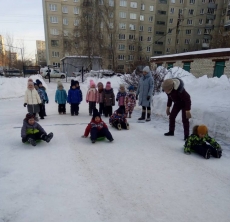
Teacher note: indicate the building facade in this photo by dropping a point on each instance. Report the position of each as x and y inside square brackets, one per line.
[41, 52]
[133, 30]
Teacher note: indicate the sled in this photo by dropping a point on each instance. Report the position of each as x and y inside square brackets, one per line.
[100, 138]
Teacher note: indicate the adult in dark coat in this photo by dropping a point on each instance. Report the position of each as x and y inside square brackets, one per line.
[145, 92]
[174, 88]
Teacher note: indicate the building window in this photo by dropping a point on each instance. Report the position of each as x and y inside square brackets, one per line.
[197, 41]
[141, 29]
[149, 39]
[149, 29]
[200, 21]
[122, 25]
[148, 49]
[121, 57]
[142, 18]
[65, 33]
[131, 47]
[140, 38]
[53, 7]
[187, 41]
[111, 25]
[123, 3]
[121, 47]
[189, 21]
[76, 22]
[76, 10]
[159, 33]
[168, 50]
[163, 1]
[111, 3]
[171, 21]
[150, 18]
[132, 27]
[207, 31]
[65, 21]
[191, 11]
[64, 9]
[75, 0]
[142, 7]
[202, 11]
[130, 57]
[55, 54]
[121, 36]
[181, 1]
[101, 2]
[122, 14]
[111, 15]
[139, 48]
[133, 16]
[161, 12]
[169, 31]
[132, 37]
[157, 52]
[169, 41]
[192, 1]
[159, 43]
[188, 31]
[151, 8]
[160, 23]
[54, 32]
[211, 11]
[133, 4]
[53, 19]
[198, 32]
[172, 10]
[177, 41]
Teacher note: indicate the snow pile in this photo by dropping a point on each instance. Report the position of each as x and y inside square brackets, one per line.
[16, 87]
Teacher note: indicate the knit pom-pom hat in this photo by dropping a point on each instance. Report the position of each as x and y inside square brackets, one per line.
[108, 85]
[202, 129]
[91, 84]
[131, 88]
[30, 80]
[167, 85]
[30, 84]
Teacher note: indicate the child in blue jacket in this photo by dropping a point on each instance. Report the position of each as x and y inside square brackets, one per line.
[61, 98]
[74, 99]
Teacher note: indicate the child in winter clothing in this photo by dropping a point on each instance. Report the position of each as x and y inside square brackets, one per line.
[130, 101]
[109, 99]
[40, 93]
[201, 143]
[39, 83]
[97, 128]
[61, 98]
[121, 97]
[32, 99]
[78, 87]
[32, 131]
[74, 99]
[118, 119]
[100, 98]
[91, 97]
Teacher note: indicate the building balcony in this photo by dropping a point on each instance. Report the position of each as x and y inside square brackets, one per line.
[227, 23]
[212, 5]
[205, 45]
[207, 36]
[209, 26]
[210, 17]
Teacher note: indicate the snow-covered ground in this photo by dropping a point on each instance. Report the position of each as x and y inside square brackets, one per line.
[141, 176]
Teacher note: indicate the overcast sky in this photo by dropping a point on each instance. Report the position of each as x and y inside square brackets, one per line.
[22, 19]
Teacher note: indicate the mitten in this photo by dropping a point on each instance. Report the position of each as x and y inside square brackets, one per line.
[188, 114]
[168, 111]
[148, 98]
[25, 104]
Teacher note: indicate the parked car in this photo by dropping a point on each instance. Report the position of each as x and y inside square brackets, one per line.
[54, 73]
[12, 72]
[75, 74]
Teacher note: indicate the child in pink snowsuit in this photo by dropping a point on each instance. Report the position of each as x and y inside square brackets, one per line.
[121, 97]
[130, 101]
[91, 97]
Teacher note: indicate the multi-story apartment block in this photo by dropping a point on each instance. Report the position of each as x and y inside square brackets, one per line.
[132, 30]
[41, 52]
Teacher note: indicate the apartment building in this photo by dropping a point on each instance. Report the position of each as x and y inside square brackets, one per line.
[41, 52]
[226, 15]
[138, 29]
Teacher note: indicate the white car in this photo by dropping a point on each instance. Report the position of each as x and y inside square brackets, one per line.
[75, 74]
[54, 73]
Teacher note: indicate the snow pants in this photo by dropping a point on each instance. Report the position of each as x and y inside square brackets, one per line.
[116, 123]
[101, 108]
[108, 111]
[202, 150]
[74, 108]
[172, 118]
[42, 111]
[95, 133]
[36, 136]
[61, 108]
[122, 108]
[92, 105]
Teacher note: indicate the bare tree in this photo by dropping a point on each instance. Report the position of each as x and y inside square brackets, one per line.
[220, 39]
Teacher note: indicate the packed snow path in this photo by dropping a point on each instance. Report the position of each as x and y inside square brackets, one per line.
[141, 176]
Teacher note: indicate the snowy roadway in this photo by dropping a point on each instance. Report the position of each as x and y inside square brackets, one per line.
[141, 177]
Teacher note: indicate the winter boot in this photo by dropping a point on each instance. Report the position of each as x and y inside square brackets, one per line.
[143, 115]
[111, 140]
[93, 141]
[119, 126]
[49, 137]
[207, 154]
[170, 133]
[32, 142]
[148, 116]
[127, 126]
[217, 153]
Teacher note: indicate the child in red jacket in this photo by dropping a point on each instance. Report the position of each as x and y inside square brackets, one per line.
[97, 128]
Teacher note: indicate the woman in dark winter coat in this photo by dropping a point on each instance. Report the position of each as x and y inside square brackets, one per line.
[97, 128]
[145, 92]
[174, 88]
[109, 99]
[201, 143]
[32, 131]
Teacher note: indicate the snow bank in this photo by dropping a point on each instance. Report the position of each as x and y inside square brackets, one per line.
[16, 87]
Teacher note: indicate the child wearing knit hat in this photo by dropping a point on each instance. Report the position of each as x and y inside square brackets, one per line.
[91, 97]
[97, 128]
[100, 98]
[31, 131]
[118, 119]
[60, 99]
[109, 99]
[46, 100]
[201, 143]
[130, 101]
[120, 98]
